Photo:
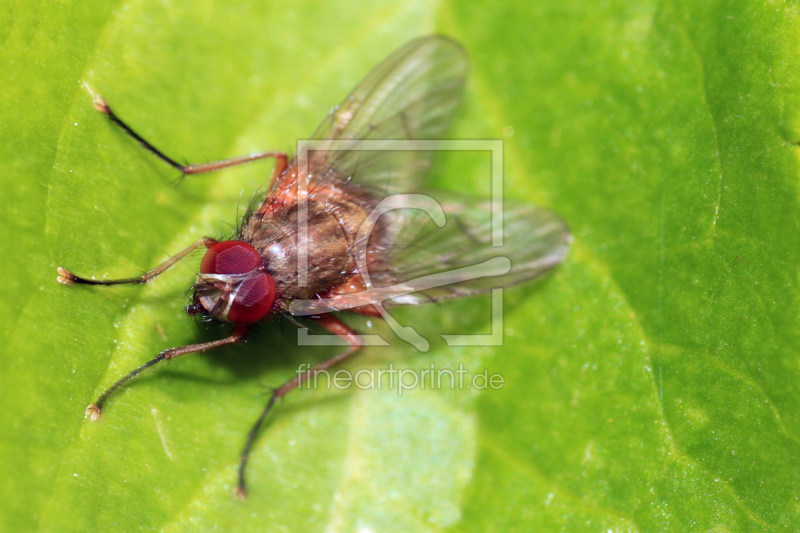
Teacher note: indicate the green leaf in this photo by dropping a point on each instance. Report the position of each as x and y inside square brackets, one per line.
[649, 383]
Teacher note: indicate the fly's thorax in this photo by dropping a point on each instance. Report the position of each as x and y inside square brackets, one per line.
[331, 227]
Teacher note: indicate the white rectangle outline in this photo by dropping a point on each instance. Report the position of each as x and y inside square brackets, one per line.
[494, 146]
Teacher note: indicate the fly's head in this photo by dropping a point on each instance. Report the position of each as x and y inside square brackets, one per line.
[233, 285]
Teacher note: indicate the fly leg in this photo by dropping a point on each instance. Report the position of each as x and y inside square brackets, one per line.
[335, 326]
[280, 157]
[68, 278]
[94, 410]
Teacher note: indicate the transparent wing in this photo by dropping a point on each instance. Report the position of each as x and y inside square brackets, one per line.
[427, 262]
[411, 95]
[534, 241]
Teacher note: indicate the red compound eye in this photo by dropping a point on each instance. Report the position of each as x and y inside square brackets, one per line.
[253, 299]
[230, 257]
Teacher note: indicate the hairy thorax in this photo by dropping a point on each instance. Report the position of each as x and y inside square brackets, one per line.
[333, 223]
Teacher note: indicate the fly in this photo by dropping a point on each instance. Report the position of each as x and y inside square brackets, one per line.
[304, 250]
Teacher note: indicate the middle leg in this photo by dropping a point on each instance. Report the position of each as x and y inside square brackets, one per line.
[335, 326]
[280, 157]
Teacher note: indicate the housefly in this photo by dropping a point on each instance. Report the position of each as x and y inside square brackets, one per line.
[304, 249]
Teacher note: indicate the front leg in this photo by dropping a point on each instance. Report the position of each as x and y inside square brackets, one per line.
[68, 278]
[94, 410]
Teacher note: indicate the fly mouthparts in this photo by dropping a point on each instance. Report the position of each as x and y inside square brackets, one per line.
[195, 309]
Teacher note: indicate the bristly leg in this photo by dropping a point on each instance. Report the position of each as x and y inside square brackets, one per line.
[94, 410]
[101, 105]
[68, 278]
[335, 326]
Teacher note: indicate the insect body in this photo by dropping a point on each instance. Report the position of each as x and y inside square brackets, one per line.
[305, 246]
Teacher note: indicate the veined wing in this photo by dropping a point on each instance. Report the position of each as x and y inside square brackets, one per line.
[412, 95]
[427, 262]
